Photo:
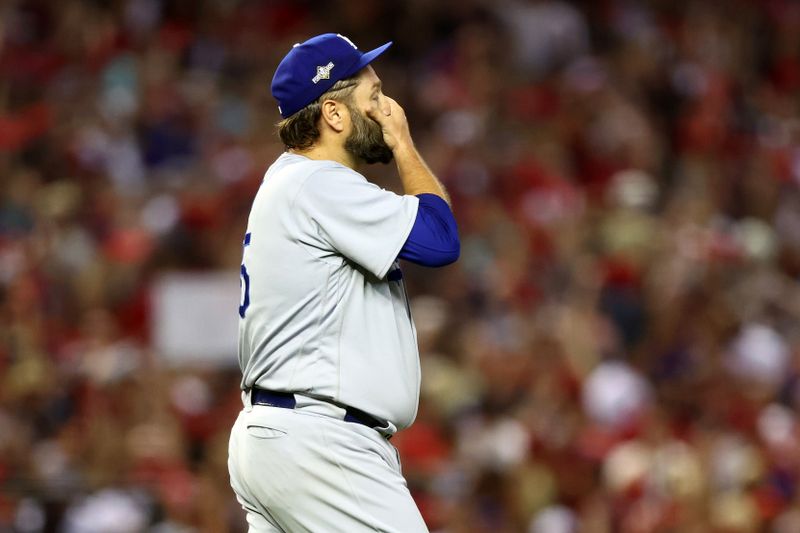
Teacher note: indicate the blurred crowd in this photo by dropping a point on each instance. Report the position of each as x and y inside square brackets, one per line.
[617, 350]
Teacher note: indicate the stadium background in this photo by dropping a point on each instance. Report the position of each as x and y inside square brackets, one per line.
[618, 348]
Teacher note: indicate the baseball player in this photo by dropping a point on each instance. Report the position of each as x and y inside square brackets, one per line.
[327, 345]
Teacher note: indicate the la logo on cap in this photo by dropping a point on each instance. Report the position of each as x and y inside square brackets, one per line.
[323, 73]
[351, 43]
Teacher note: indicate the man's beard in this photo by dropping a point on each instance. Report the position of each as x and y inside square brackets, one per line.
[366, 142]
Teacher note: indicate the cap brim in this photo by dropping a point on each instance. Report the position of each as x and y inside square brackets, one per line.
[369, 57]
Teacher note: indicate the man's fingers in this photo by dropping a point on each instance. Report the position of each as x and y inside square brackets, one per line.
[377, 116]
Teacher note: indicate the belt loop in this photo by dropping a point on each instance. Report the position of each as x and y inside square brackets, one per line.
[246, 400]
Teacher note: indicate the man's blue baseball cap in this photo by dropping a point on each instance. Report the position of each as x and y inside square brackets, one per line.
[311, 68]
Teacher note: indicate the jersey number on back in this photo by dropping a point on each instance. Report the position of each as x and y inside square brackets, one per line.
[244, 282]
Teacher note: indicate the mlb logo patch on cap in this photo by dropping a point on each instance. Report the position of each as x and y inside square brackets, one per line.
[311, 68]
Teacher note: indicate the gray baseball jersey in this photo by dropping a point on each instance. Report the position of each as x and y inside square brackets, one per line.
[324, 309]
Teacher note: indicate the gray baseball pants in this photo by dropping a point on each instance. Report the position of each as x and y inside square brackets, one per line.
[306, 470]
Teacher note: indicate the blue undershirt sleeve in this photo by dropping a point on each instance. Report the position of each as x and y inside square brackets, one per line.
[433, 240]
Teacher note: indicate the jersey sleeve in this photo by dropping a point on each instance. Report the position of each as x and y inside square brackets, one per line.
[433, 240]
[356, 218]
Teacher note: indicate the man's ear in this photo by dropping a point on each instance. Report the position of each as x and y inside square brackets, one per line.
[333, 114]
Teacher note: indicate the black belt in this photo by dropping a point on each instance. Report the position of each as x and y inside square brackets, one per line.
[287, 401]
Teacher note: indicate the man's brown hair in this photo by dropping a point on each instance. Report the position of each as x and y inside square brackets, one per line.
[300, 130]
